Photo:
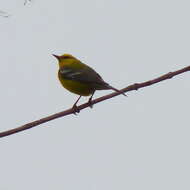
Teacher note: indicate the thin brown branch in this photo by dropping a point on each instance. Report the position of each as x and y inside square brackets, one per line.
[135, 86]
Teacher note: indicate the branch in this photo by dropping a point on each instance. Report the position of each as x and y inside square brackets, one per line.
[135, 86]
[4, 14]
[26, 1]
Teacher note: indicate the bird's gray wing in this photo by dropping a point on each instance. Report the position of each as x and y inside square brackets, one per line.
[85, 75]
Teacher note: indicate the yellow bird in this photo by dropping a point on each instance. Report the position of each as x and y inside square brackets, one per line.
[79, 78]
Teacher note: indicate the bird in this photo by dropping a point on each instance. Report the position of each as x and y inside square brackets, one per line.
[80, 78]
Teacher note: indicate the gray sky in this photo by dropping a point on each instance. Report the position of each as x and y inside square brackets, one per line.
[138, 142]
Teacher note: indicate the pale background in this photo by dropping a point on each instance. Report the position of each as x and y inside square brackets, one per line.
[141, 142]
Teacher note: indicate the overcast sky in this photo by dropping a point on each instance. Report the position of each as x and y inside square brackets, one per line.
[138, 143]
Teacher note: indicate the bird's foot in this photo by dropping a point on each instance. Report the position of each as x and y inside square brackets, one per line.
[75, 109]
[90, 104]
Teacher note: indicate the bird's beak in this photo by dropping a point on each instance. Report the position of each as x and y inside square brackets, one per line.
[56, 56]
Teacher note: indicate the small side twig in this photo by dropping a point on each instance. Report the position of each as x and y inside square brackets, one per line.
[132, 87]
[4, 14]
[26, 1]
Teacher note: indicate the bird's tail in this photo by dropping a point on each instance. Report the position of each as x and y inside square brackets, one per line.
[115, 89]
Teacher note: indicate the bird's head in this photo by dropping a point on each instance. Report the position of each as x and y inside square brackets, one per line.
[65, 59]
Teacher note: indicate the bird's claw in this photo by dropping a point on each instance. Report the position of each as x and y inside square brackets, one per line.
[90, 104]
[75, 109]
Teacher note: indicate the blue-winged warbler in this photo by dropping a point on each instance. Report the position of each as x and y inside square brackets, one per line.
[79, 78]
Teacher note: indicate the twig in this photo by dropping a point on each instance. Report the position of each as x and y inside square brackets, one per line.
[4, 14]
[25, 2]
[135, 86]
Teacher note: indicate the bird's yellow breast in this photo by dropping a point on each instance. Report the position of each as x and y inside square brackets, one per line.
[76, 86]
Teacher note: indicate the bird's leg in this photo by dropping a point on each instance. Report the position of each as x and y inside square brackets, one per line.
[90, 100]
[75, 108]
